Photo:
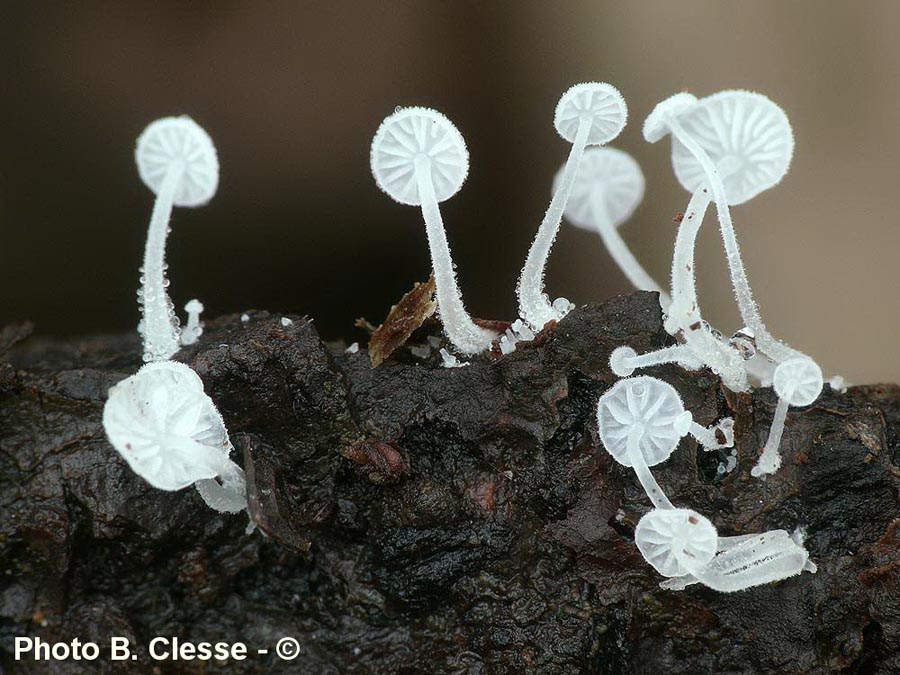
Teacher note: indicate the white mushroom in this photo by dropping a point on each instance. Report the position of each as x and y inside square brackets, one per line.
[419, 158]
[592, 113]
[676, 542]
[194, 329]
[608, 187]
[171, 434]
[176, 159]
[737, 144]
[641, 420]
[798, 382]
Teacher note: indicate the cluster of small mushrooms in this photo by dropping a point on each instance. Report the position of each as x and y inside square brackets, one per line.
[726, 149]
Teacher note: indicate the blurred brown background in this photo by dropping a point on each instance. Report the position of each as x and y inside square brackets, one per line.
[293, 91]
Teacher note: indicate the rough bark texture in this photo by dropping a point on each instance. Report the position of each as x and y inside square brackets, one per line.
[426, 519]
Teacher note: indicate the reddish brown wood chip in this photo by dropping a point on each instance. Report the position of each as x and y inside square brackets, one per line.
[404, 318]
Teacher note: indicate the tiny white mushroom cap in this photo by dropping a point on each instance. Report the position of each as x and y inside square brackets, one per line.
[411, 133]
[647, 406]
[656, 126]
[599, 102]
[799, 381]
[165, 426]
[608, 176]
[178, 139]
[676, 541]
[747, 137]
[194, 306]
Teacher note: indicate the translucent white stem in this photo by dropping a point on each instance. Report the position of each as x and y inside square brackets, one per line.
[749, 310]
[468, 337]
[648, 482]
[533, 304]
[192, 330]
[229, 496]
[684, 311]
[770, 459]
[160, 325]
[684, 284]
[623, 256]
[727, 543]
[765, 558]
[680, 354]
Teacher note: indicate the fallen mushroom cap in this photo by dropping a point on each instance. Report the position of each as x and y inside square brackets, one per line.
[747, 137]
[166, 427]
[676, 541]
[656, 126]
[412, 132]
[648, 405]
[608, 175]
[178, 139]
[799, 381]
[599, 102]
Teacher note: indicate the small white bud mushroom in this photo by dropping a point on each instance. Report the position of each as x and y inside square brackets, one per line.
[640, 421]
[194, 329]
[171, 434]
[593, 113]
[419, 158]
[176, 159]
[608, 187]
[798, 382]
[736, 144]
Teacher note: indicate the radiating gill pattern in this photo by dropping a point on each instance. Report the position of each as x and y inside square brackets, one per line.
[747, 137]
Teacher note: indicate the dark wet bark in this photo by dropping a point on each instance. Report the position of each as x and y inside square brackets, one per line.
[425, 519]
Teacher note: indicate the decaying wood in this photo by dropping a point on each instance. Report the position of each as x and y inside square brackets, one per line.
[415, 518]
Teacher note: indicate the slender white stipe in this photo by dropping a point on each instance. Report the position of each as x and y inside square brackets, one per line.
[684, 316]
[419, 158]
[624, 360]
[593, 113]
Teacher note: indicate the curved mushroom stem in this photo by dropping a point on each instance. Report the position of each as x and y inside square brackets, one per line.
[227, 496]
[718, 436]
[160, 325]
[624, 361]
[623, 256]
[684, 312]
[465, 334]
[761, 559]
[534, 307]
[749, 310]
[648, 482]
[770, 459]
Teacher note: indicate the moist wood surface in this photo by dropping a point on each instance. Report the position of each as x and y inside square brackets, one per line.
[422, 519]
